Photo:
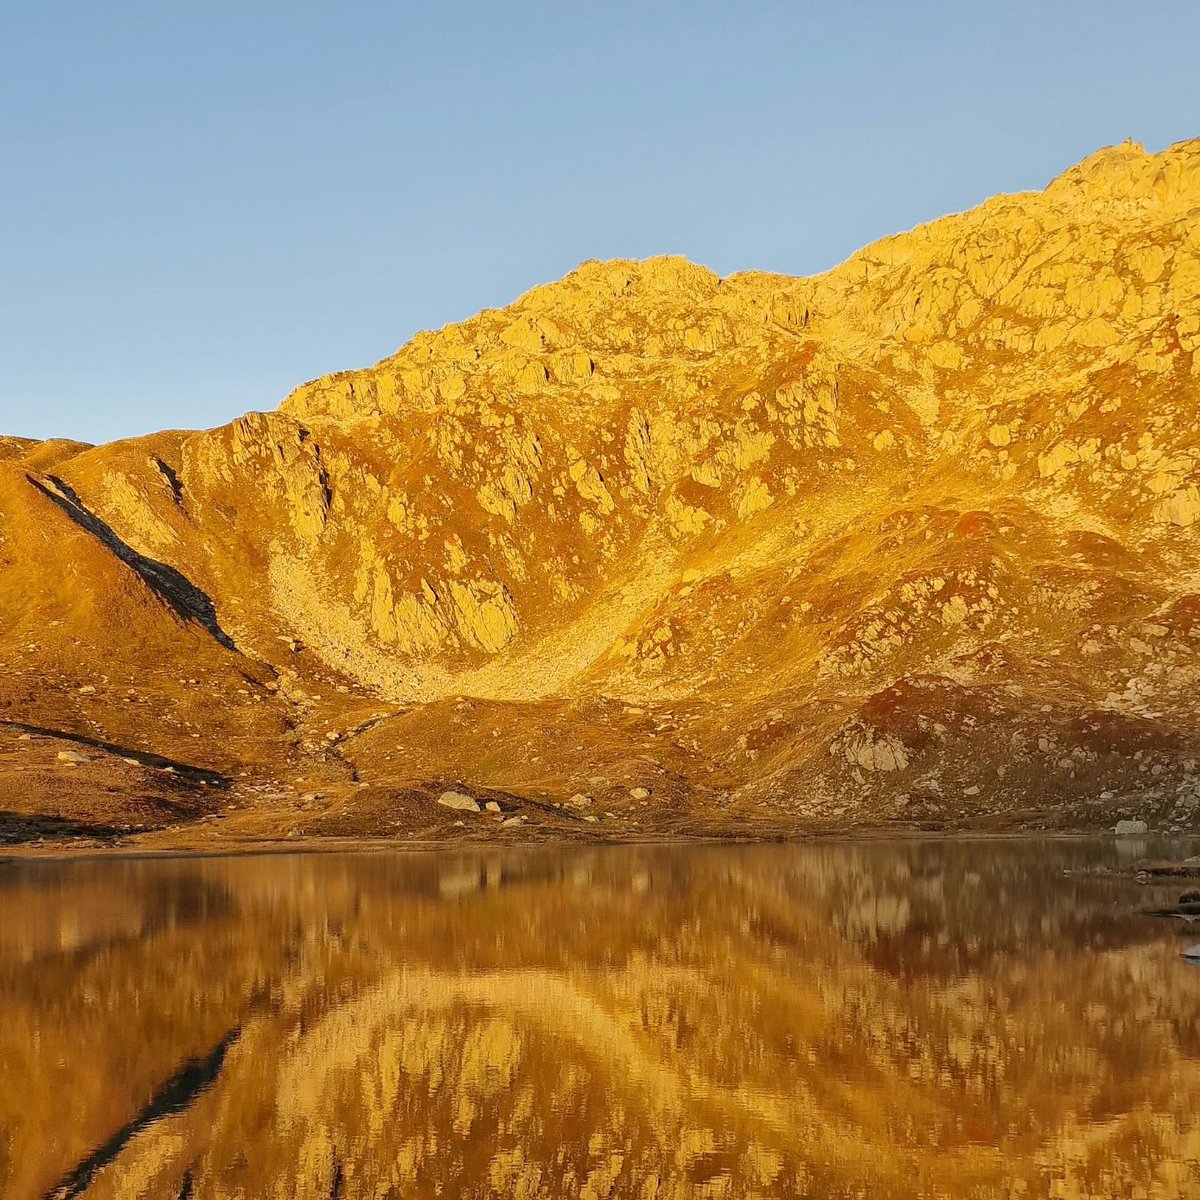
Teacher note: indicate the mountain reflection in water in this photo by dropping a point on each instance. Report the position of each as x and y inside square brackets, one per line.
[912, 1019]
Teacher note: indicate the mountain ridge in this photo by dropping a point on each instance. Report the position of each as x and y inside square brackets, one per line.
[909, 541]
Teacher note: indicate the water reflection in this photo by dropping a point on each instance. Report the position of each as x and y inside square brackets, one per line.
[887, 1020]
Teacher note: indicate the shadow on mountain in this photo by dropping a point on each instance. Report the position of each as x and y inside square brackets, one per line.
[16, 828]
[146, 758]
[169, 585]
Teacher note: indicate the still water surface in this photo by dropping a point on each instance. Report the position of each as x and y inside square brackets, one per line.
[914, 1019]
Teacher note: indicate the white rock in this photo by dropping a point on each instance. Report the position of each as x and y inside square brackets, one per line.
[1129, 828]
[640, 793]
[458, 801]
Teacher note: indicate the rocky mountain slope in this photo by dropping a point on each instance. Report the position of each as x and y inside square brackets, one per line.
[914, 540]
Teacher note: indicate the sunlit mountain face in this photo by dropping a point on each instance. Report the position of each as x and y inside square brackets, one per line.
[653, 551]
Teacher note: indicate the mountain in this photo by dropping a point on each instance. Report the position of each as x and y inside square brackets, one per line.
[652, 550]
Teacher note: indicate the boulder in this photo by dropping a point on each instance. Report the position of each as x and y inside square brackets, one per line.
[459, 801]
[1130, 828]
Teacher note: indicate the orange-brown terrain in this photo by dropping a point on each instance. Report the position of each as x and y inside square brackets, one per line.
[652, 551]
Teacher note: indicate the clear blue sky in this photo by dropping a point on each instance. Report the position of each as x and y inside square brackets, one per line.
[204, 204]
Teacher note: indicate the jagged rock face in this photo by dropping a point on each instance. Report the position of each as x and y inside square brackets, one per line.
[862, 543]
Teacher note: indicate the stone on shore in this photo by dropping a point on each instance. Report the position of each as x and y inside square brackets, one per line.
[458, 801]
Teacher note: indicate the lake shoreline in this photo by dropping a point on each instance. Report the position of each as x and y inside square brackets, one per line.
[315, 845]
